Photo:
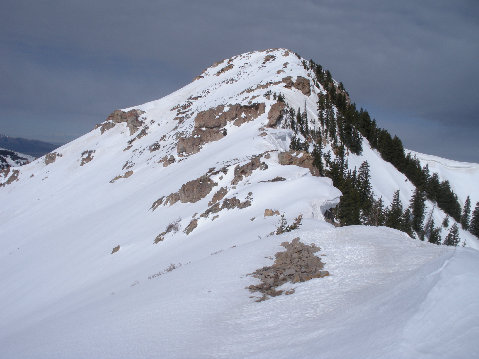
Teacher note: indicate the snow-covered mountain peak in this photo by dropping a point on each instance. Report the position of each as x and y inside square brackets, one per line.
[151, 231]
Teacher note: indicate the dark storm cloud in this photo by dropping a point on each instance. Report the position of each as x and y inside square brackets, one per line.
[66, 64]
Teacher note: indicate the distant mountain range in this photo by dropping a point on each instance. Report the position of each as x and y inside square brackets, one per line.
[33, 148]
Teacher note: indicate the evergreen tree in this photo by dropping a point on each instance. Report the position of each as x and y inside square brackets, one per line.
[417, 208]
[452, 238]
[474, 225]
[433, 234]
[377, 216]
[364, 186]
[466, 212]
[445, 222]
[406, 222]
[395, 213]
[317, 160]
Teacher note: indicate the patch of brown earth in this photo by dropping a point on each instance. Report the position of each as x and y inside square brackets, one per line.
[298, 158]
[86, 157]
[297, 264]
[275, 113]
[125, 175]
[116, 249]
[168, 160]
[51, 157]
[131, 118]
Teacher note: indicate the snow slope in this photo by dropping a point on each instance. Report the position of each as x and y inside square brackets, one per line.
[66, 292]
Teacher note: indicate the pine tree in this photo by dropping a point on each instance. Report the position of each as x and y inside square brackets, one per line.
[317, 160]
[376, 216]
[466, 212]
[474, 225]
[364, 186]
[395, 213]
[417, 208]
[433, 234]
[406, 223]
[452, 238]
[445, 222]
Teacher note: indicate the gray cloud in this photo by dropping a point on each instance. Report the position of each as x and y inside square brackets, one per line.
[66, 64]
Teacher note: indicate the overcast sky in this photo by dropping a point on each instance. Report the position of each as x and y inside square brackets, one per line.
[414, 65]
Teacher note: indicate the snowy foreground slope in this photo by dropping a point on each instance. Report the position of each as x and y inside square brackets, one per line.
[137, 240]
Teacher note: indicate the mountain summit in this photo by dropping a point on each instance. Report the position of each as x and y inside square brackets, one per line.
[202, 225]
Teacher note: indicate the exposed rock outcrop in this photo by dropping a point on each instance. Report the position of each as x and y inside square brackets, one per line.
[209, 125]
[247, 169]
[270, 212]
[300, 159]
[131, 118]
[51, 157]
[86, 157]
[13, 177]
[297, 264]
[228, 203]
[218, 196]
[190, 227]
[275, 114]
[190, 192]
[302, 84]
[171, 228]
[125, 175]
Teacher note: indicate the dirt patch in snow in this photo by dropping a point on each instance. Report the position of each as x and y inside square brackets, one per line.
[297, 264]
[115, 249]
